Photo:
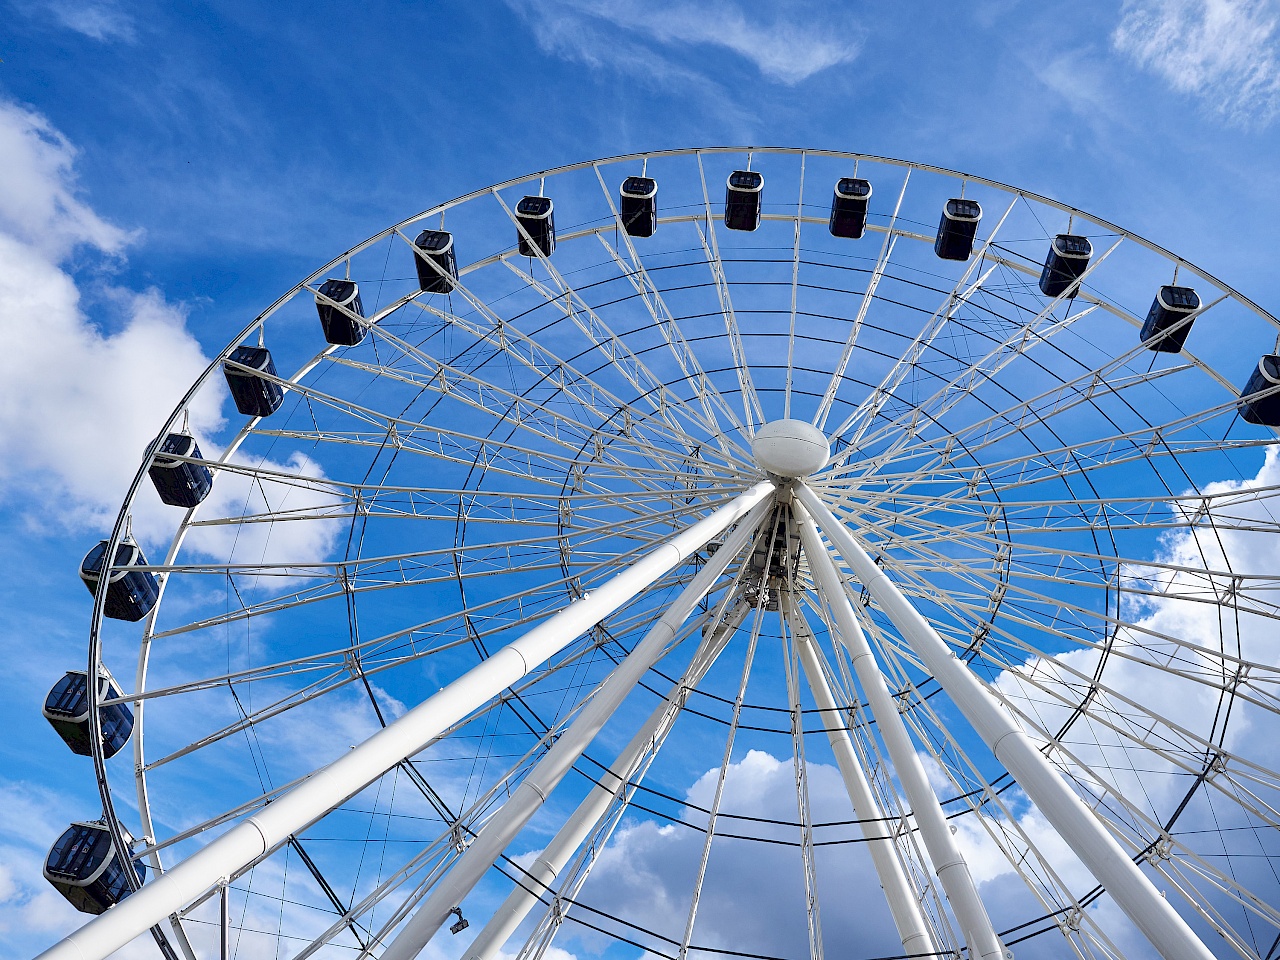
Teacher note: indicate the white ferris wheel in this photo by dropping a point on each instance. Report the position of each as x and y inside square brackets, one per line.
[556, 513]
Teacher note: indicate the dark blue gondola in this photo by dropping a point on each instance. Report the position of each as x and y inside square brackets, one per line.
[179, 482]
[1253, 406]
[537, 216]
[638, 206]
[67, 710]
[957, 228]
[336, 301]
[1066, 263]
[436, 262]
[742, 200]
[83, 866]
[130, 593]
[849, 208]
[255, 396]
[1170, 308]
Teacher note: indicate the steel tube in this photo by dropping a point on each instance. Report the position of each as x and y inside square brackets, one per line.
[1082, 830]
[544, 870]
[534, 789]
[332, 785]
[908, 918]
[948, 862]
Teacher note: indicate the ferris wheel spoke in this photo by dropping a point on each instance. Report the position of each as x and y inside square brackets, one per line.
[502, 405]
[868, 296]
[537, 418]
[589, 828]
[445, 573]
[637, 275]
[1080, 694]
[961, 293]
[1153, 444]
[752, 411]
[1247, 682]
[795, 286]
[541, 363]
[722, 776]
[613, 349]
[813, 913]
[1222, 585]
[1003, 425]
[1049, 615]
[1041, 328]
[981, 798]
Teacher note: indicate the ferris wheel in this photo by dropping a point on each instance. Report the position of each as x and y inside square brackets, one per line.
[707, 554]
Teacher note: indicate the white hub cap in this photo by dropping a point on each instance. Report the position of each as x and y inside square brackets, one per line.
[790, 448]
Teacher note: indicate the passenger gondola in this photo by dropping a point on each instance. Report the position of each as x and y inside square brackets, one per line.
[957, 229]
[336, 302]
[638, 206]
[84, 867]
[1170, 309]
[1253, 405]
[537, 216]
[849, 208]
[742, 200]
[180, 483]
[130, 593]
[1066, 263]
[255, 395]
[436, 262]
[67, 710]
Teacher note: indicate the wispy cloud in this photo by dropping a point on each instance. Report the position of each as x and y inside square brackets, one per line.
[103, 20]
[1221, 51]
[787, 42]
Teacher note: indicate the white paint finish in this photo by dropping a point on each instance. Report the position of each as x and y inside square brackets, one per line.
[332, 785]
[546, 868]
[1086, 835]
[790, 448]
[908, 918]
[527, 798]
[948, 862]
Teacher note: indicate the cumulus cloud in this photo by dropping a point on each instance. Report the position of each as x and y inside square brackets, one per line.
[1222, 51]
[82, 395]
[754, 891]
[91, 370]
[1113, 759]
[787, 42]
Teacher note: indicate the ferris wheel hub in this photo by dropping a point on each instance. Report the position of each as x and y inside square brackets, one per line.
[790, 448]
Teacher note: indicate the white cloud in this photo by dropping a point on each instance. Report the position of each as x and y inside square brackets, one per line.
[1222, 51]
[1235, 535]
[84, 393]
[101, 20]
[240, 494]
[787, 42]
[754, 893]
[80, 400]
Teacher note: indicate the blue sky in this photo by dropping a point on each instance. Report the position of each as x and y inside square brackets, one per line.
[169, 170]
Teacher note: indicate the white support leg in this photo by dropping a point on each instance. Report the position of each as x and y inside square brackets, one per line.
[580, 825]
[534, 789]
[332, 785]
[948, 863]
[909, 919]
[1084, 833]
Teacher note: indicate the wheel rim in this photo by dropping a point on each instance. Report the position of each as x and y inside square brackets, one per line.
[600, 426]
